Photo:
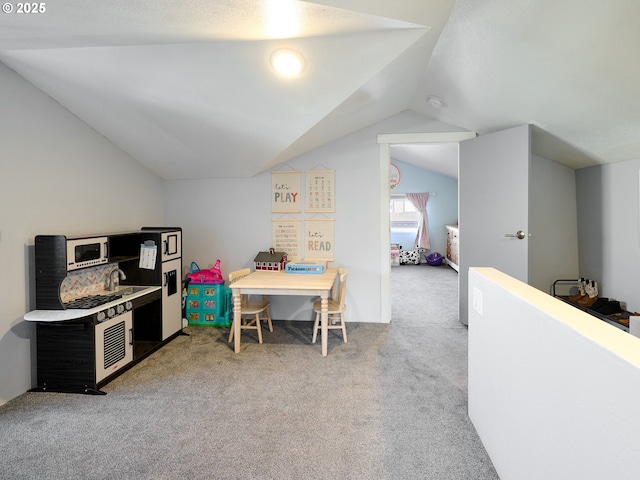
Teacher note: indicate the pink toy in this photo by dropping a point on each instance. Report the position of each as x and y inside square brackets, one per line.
[213, 275]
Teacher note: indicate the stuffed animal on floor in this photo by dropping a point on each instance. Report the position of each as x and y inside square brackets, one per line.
[410, 256]
[422, 252]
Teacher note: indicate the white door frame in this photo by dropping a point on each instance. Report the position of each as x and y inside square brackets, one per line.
[385, 141]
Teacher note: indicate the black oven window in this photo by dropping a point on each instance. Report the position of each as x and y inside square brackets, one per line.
[87, 252]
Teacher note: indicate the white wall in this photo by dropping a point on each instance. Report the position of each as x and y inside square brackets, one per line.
[57, 176]
[553, 391]
[547, 198]
[230, 219]
[553, 223]
[609, 232]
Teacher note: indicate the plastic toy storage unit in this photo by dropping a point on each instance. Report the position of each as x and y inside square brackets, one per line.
[208, 304]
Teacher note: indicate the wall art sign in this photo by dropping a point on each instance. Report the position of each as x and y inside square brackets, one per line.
[285, 192]
[318, 239]
[286, 237]
[394, 175]
[320, 191]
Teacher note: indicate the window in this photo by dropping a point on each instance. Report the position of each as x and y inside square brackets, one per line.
[403, 215]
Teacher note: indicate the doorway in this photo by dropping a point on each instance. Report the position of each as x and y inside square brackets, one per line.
[386, 141]
[422, 294]
[537, 190]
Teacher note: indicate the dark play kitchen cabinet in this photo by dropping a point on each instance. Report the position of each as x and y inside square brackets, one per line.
[167, 271]
[83, 354]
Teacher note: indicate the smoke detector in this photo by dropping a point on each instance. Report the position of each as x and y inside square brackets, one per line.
[436, 102]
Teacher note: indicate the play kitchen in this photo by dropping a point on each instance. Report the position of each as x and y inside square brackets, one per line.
[103, 303]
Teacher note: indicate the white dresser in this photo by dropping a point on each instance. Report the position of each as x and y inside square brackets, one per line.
[452, 246]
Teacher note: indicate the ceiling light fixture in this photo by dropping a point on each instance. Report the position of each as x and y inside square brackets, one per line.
[286, 62]
[436, 102]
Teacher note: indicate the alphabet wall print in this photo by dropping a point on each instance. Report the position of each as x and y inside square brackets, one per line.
[320, 191]
[285, 192]
[318, 239]
[285, 237]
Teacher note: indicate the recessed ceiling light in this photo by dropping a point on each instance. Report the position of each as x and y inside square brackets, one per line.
[286, 62]
[436, 102]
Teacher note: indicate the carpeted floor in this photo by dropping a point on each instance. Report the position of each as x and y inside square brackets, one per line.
[423, 295]
[389, 404]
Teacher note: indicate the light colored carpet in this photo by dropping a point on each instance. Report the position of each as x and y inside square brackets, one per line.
[389, 404]
[422, 295]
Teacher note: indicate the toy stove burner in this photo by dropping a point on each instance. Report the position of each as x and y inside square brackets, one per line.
[91, 301]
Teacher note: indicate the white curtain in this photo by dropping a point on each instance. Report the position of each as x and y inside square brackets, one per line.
[419, 200]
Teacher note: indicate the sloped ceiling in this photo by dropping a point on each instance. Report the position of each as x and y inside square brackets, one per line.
[185, 87]
[567, 67]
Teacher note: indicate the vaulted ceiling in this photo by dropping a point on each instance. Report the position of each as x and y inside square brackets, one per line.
[185, 86]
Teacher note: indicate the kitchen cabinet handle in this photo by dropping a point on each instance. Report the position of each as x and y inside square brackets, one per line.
[131, 336]
[166, 279]
[171, 245]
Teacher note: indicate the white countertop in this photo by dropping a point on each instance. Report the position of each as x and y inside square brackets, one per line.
[75, 313]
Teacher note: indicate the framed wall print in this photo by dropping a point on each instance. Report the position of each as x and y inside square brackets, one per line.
[318, 239]
[320, 191]
[285, 192]
[285, 237]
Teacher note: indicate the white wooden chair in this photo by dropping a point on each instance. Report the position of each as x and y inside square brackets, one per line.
[336, 308]
[253, 310]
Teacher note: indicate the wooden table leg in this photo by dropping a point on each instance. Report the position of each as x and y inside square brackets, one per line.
[237, 315]
[324, 317]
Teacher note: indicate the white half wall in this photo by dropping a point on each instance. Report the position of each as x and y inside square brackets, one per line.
[553, 391]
